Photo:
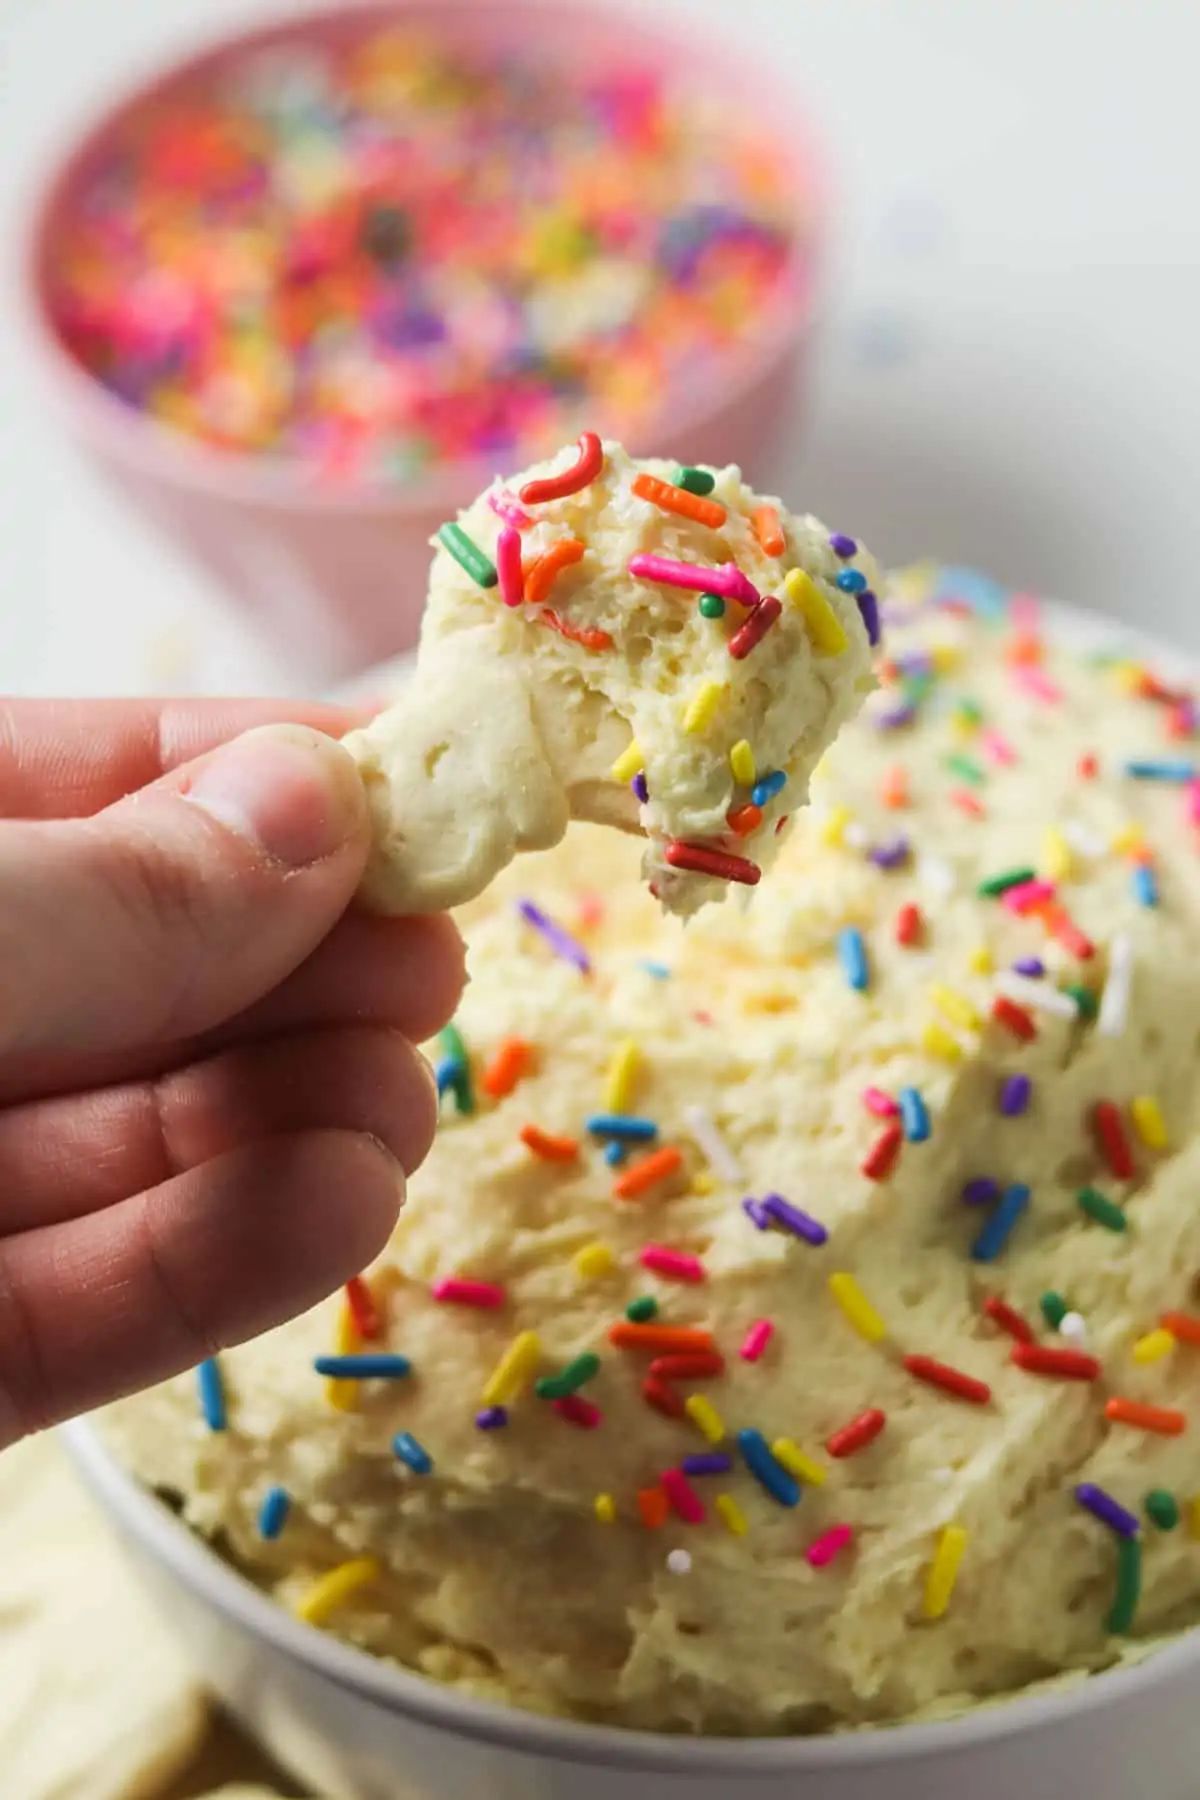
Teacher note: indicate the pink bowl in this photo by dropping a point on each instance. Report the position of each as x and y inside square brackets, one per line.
[339, 575]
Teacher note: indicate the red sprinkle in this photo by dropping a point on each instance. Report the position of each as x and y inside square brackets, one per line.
[684, 1499]
[1184, 1326]
[951, 1381]
[880, 1159]
[698, 859]
[968, 803]
[1111, 1138]
[662, 1397]
[1042, 1359]
[1063, 928]
[755, 629]
[578, 1410]
[1014, 1018]
[742, 820]
[584, 469]
[654, 1506]
[910, 926]
[1087, 768]
[363, 1310]
[697, 1367]
[1008, 1319]
[857, 1434]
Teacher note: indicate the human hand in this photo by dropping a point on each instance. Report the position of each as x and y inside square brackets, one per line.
[208, 1091]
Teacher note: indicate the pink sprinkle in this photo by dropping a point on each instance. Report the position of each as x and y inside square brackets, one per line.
[506, 508]
[1027, 895]
[728, 581]
[879, 1103]
[508, 566]
[826, 1547]
[578, 1411]
[967, 802]
[675, 1265]
[591, 911]
[1038, 683]
[1025, 611]
[683, 1496]
[756, 1340]
[996, 746]
[462, 1292]
[1193, 802]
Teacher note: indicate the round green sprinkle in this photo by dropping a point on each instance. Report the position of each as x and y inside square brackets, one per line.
[1054, 1309]
[641, 1309]
[1105, 1211]
[1083, 997]
[1129, 1584]
[968, 768]
[995, 885]
[696, 481]
[569, 1380]
[467, 554]
[1162, 1509]
[712, 606]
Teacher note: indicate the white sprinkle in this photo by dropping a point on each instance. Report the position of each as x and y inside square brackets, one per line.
[1038, 995]
[855, 835]
[937, 874]
[720, 1157]
[1114, 1002]
[679, 1562]
[1082, 838]
[1073, 1325]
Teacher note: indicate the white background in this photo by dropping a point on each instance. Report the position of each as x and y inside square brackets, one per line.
[1008, 376]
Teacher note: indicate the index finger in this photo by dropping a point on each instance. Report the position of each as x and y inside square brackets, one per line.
[67, 759]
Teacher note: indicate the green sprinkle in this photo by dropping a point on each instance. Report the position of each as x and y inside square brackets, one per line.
[1083, 997]
[968, 768]
[1129, 1584]
[1106, 1212]
[995, 885]
[1054, 1309]
[467, 555]
[712, 606]
[452, 1043]
[568, 1380]
[696, 481]
[916, 684]
[641, 1309]
[968, 711]
[1162, 1509]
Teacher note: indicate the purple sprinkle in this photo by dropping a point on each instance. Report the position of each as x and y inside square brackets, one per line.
[560, 941]
[1033, 966]
[868, 606]
[1014, 1095]
[1110, 1512]
[756, 1213]
[638, 784]
[841, 545]
[491, 1418]
[892, 854]
[800, 1224]
[896, 716]
[708, 1462]
[981, 1191]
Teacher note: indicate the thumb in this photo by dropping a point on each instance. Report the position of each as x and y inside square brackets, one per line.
[177, 907]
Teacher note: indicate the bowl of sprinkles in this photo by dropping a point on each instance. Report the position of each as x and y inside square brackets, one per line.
[780, 1380]
[302, 293]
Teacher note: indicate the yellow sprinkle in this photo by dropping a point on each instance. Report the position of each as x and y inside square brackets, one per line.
[857, 1308]
[742, 765]
[622, 1069]
[705, 1418]
[605, 1508]
[1127, 676]
[631, 762]
[732, 1516]
[1193, 1516]
[981, 961]
[1056, 854]
[703, 1183]
[824, 626]
[513, 1370]
[701, 708]
[343, 1392]
[1148, 1121]
[943, 1570]
[593, 1261]
[945, 657]
[1128, 839]
[804, 1468]
[956, 1006]
[1153, 1347]
[937, 1041]
[334, 1589]
[964, 721]
[834, 828]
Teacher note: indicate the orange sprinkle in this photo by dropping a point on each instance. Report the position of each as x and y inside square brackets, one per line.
[1024, 647]
[1087, 768]
[678, 500]
[642, 1175]
[1163, 1419]
[660, 1338]
[1184, 1326]
[893, 788]
[547, 1146]
[764, 522]
[589, 636]
[541, 576]
[742, 820]
[511, 1061]
[653, 1506]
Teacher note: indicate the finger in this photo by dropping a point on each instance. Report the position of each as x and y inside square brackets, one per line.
[126, 1297]
[65, 1157]
[68, 759]
[183, 904]
[405, 975]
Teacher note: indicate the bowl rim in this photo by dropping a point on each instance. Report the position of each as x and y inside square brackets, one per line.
[192, 1562]
[154, 448]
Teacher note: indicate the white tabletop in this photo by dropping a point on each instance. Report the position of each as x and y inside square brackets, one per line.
[1008, 373]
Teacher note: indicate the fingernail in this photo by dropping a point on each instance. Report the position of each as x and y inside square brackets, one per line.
[292, 792]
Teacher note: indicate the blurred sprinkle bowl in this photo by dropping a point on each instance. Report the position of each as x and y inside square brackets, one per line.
[303, 294]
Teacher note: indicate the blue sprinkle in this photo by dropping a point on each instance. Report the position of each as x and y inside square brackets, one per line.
[492, 1418]
[212, 1394]
[615, 1152]
[981, 1191]
[622, 1125]
[707, 1462]
[980, 592]
[659, 970]
[411, 1452]
[1110, 1512]
[272, 1514]
[851, 581]
[799, 1223]
[370, 1365]
[767, 787]
[779, 1483]
[1014, 1095]
[1169, 769]
[852, 953]
[1144, 883]
[448, 1074]
[868, 612]
[914, 1115]
[999, 1227]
